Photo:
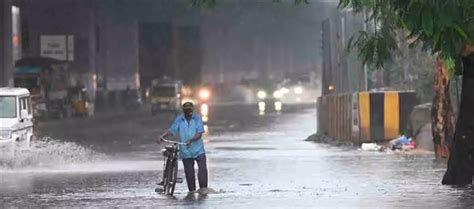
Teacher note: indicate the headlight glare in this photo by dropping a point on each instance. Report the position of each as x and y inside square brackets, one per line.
[261, 94]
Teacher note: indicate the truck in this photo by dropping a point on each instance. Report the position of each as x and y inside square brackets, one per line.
[165, 96]
[169, 95]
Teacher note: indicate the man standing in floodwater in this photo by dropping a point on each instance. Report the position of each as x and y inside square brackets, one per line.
[188, 127]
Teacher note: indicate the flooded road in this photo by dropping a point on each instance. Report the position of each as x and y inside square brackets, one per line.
[262, 163]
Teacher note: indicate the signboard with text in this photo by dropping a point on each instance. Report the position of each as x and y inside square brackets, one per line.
[60, 47]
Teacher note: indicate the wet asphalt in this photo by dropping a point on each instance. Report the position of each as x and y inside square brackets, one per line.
[254, 161]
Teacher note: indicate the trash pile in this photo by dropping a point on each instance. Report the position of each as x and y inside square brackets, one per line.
[403, 143]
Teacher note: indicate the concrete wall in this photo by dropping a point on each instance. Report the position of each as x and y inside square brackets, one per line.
[117, 51]
[156, 54]
[170, 50]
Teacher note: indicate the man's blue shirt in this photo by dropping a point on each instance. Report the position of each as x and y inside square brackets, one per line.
[185, 131]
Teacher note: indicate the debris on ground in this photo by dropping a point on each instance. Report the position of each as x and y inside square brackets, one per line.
[402, 145]
[371, 147]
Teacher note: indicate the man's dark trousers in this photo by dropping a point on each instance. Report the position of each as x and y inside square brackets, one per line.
[190, 174]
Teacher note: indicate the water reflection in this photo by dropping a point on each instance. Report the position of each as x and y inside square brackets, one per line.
[277, 107]
[206, 133]
[205, 112]
[204, 109]
[261, 108]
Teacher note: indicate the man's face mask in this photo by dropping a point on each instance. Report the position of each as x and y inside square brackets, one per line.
[188, 113]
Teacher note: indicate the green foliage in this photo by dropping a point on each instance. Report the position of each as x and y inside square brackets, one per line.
[412, 69]
[374, 48]
[442, 27]
[213, 3]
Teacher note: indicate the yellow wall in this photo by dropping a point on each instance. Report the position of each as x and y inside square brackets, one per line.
[391, 115]
[364, 115]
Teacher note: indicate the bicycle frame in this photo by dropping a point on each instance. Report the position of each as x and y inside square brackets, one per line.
[174, 149]
[170, 165]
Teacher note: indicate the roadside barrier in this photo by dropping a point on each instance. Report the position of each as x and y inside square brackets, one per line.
[365, 116]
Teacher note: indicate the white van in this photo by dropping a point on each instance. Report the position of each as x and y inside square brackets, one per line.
[16, 125]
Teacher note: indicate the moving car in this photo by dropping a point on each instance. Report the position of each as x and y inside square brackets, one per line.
[269, 102]
[268, 96]
[298, 88]
[16, 125]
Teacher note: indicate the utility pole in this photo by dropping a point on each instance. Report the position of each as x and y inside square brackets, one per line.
[366, 85]
[6, 52]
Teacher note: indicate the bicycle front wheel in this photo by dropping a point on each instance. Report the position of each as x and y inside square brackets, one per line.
[167, 177]
[174, 177]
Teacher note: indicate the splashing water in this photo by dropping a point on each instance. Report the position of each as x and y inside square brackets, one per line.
[49, 152]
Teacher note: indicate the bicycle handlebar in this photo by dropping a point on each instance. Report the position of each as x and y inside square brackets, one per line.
[172, 142]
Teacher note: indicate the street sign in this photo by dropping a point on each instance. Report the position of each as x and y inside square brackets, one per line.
[60, 47]
[53, 46]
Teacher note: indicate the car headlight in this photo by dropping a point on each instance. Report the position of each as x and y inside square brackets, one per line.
[5, 134]
[277, 94]
[204, 94]
[261, 94]
[298, 90]
[284, 90]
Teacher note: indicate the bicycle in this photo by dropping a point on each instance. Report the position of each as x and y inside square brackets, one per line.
[170, 163]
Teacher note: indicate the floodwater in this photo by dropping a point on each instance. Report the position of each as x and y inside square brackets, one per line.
[262, 165]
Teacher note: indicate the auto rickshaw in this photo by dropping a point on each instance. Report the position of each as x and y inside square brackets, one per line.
[79, 101]
[46, 79]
